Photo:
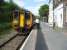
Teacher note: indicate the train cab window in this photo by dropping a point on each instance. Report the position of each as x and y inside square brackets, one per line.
[27, 15]
[16, 14]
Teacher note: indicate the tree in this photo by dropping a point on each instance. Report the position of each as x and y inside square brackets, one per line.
[5, 11]
[44, 11]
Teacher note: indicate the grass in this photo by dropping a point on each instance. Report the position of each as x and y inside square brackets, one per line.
[3, 33]
[4, 28]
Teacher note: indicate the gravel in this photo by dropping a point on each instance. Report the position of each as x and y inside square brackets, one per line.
[13, 44]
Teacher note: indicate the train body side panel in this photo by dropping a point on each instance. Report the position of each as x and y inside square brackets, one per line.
[31, 22]
[31, 19]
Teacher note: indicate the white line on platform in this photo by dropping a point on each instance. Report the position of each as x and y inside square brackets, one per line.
[25, 41]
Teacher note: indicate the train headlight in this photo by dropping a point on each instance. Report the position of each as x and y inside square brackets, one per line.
[15, 22]
[28, 23]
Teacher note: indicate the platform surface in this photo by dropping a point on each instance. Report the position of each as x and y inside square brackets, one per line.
[44, 38]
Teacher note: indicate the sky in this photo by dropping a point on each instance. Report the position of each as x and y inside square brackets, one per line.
[31, 5]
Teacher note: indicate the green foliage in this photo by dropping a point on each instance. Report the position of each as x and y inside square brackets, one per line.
[4, 28]
[44, 10]
[6, 15]
[6, 11]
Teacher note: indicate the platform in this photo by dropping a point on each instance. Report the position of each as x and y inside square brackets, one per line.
[44, 38]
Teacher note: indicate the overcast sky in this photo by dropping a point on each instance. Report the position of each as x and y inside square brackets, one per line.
[32, 5]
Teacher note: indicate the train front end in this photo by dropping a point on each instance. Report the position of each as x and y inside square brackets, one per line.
[18, 21]
[15, 21]
[28, 21]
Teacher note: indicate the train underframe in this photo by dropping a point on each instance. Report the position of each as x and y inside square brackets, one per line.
[24, 30]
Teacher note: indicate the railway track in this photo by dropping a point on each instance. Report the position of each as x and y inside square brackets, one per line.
[13, 43]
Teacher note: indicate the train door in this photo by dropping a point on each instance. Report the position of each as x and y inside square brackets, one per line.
[21, 19]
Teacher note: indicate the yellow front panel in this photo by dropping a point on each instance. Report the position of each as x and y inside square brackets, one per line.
[28, 22]
[15, 24]
[21, 20]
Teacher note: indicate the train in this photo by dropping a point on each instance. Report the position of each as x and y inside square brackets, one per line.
[22, 21]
